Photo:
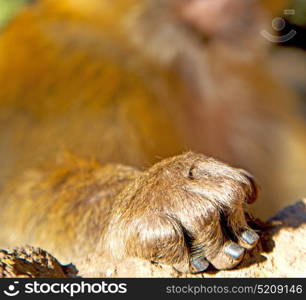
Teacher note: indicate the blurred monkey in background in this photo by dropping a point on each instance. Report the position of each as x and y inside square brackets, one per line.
[131, 82]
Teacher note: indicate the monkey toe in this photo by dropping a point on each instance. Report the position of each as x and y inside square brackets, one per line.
[229, 256]
[234, 251]
[198, 264]
[248, 239]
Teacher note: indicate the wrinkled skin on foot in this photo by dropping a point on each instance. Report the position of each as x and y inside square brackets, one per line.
[187, 211]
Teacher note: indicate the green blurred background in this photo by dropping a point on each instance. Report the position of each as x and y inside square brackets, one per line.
[300, 12]
[8, 8]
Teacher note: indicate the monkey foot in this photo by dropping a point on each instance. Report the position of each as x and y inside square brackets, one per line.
[186, 211]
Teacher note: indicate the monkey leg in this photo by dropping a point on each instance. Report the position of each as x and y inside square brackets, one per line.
[186, 211]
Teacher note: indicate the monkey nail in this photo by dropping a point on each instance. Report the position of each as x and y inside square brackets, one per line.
[250, 237]
[234, 251]
[199, 264]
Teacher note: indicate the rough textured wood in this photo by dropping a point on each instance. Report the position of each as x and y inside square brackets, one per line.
[30, 262]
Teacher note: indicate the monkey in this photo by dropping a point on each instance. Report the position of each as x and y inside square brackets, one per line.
[132, 83]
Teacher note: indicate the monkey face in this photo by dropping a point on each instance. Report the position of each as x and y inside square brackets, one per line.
[224, 17]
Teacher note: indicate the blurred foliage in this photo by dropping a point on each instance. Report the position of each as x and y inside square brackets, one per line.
[300, 12]
[8, 8]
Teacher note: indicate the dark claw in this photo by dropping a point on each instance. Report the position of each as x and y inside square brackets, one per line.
[234, 251]
[200, 264]
[250, 237]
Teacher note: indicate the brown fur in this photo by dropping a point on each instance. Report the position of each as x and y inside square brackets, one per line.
[169, 213]
[130, 82]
